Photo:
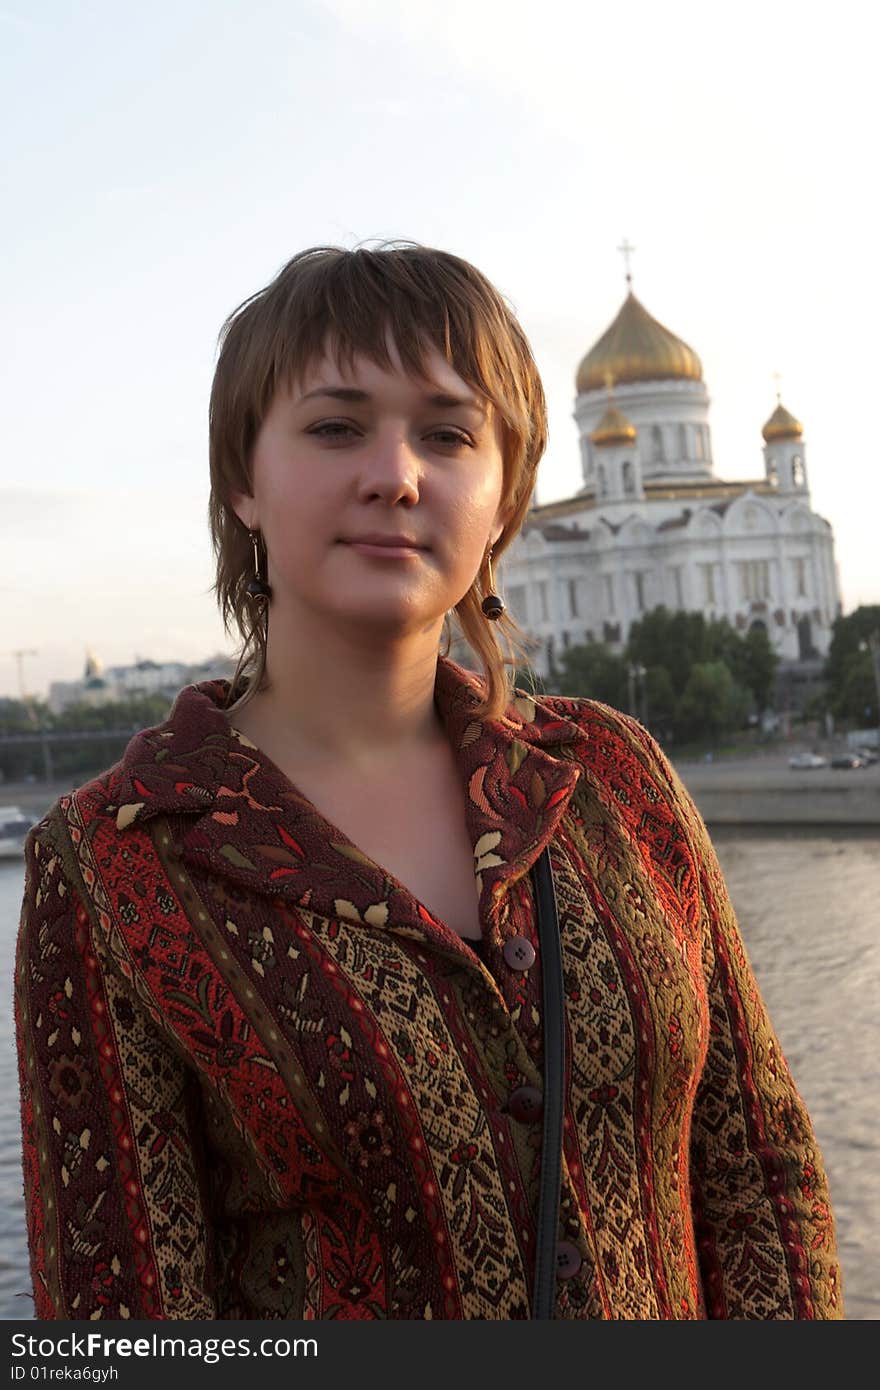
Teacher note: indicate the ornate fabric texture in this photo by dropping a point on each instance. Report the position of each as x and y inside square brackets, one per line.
[260, 1080]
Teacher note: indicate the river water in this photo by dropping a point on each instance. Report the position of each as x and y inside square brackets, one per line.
[807, 904]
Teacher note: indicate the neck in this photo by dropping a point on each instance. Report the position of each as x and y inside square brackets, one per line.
[340, 695]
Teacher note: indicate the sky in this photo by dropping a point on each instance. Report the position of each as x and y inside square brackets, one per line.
[160, 163]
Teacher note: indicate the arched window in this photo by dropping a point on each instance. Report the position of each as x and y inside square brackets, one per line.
[797, 471]
[683, 441]
[601, 485]
[772, 473]
[657, 455]
[629, 482]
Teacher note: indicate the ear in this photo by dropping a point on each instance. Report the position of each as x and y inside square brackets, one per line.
[245, 509]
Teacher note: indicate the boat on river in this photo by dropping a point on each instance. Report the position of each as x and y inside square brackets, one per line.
[14, 826]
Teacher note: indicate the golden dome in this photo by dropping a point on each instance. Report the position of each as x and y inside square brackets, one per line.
[637, 348]
[782, 425]
[613, 428]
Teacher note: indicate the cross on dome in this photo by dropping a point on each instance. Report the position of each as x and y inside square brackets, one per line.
[626, 251]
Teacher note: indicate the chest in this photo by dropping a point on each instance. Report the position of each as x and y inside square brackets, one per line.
[415, 829]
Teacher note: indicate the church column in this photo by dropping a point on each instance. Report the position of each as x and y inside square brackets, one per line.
[777, 634]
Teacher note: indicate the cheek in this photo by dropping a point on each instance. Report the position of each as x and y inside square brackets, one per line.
[472, 518]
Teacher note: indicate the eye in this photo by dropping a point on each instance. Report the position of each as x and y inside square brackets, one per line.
[330, 429]
[335, 429]
[455, 437]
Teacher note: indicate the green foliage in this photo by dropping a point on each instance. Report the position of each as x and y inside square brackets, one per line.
[698, 679]
[139, 712]
[849, 669]
[671, 640]
[660, 704]
[855, 697]
[593, 671]
[712, 702]
[74, 760]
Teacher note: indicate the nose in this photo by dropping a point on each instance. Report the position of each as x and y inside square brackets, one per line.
[391, 469]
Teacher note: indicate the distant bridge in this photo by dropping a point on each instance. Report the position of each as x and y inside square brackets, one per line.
[46, 737]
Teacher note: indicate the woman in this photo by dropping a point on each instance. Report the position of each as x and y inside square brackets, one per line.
[279, 985]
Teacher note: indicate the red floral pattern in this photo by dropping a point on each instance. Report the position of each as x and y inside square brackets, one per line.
[259, 1079]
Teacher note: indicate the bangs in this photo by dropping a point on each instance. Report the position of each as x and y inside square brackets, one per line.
[342, 306]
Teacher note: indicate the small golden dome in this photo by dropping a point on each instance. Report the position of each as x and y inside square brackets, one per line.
[93, 666]
[613, 428]
[637, 348]
[782, 425]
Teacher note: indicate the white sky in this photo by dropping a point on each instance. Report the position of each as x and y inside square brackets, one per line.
[161, 162]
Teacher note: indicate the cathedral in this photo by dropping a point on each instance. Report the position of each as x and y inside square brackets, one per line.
[652, 523]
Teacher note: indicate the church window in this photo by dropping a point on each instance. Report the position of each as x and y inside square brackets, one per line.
[609, 592]
[755, 579]
[639, 579]
[708, 573]
[629, 484]
[772, 472]
[543, 611]
[572, 598]
[677, 594]
[601, 484]
[683, 441]
[516, 601]
[797, 471]
[657, 455]
[800, 576]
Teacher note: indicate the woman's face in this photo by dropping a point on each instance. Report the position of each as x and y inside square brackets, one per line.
[371, 454]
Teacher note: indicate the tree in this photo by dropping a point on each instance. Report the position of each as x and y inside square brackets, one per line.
[712, 702]
[855, 695]
[660, 702]
[848, 667]
[672, 640]
[591, 670]
[759, 662]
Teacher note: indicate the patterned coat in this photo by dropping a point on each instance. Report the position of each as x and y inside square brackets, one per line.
[260, 1080]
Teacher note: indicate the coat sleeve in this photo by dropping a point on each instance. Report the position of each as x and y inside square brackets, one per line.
[113, 1168]
[760, 1199]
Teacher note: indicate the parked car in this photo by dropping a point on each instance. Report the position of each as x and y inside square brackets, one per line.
[848, 760]
[870, 755]
[807, 760]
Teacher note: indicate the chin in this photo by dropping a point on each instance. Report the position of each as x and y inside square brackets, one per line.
[387, 618]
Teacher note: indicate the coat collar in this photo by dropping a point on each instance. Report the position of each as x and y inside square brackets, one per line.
[245, 820]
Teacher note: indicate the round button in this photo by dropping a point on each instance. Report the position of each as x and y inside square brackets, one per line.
[526, 1104]
[519, 953]
[568, 1259]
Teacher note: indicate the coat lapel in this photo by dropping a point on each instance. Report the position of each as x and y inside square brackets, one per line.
[242, 818]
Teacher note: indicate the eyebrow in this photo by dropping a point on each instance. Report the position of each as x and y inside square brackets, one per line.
[352, 393]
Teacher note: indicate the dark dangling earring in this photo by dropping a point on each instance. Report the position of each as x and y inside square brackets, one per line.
[493, 604]
[257, 587]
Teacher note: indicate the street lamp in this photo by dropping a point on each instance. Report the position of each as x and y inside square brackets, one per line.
[873, 646]
[635, 672]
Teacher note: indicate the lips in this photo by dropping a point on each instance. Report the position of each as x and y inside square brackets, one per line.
[392, 542]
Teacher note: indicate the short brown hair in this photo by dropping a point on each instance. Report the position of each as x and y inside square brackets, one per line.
[330, 299]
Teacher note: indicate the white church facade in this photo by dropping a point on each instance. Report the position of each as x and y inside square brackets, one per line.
[652, 524]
